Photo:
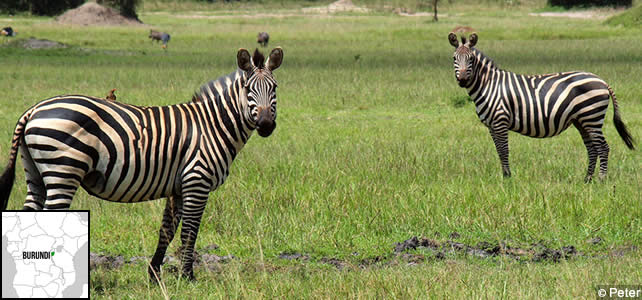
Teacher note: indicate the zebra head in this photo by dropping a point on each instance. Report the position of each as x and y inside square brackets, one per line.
[463, 57]
[260, 88]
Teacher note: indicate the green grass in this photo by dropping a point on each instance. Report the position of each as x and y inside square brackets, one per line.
[630, 18]
[367, 153]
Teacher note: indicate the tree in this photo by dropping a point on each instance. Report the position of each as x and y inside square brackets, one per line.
[127, 7]
[434, 5]
[39, 7]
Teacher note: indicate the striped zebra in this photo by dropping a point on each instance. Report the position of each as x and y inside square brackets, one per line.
[126, 153]
[536, 106]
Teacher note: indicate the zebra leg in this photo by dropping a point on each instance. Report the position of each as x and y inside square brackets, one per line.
[36, 192]
[192, 213]
[500, 138]
[60, 191]
[591, 149]
[602, 152]
[171, 219]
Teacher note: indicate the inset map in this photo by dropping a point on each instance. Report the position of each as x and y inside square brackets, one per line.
[45, 254]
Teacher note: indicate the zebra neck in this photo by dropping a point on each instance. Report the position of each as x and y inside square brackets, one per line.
[484, 72]
[223, 103]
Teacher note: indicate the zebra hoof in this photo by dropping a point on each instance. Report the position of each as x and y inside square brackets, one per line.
[189, 276]
[588, 179]
[154, 274]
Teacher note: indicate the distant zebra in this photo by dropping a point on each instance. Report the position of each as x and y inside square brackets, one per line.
[159, 37]
[537, 106]
[126, 153]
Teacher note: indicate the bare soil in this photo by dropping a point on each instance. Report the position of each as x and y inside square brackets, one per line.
[337, 6]
[92, 13]
[34, 43]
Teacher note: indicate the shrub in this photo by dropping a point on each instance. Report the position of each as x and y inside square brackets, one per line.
[629, 18]
[127, 7]
[585, 3]
[38, 7]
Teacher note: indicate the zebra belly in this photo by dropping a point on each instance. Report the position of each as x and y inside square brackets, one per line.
[557, 102]
[141, 179]
[540, 128]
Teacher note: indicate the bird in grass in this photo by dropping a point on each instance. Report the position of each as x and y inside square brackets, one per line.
[165, 40]
[159, 37]
[8, 31]
[263, 38]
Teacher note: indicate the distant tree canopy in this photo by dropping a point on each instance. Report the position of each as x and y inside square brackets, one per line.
[127, 7]
[55, 7]
[585, 3]
[39, 7]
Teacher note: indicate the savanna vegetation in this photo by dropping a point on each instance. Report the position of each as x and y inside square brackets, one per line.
[375, 143]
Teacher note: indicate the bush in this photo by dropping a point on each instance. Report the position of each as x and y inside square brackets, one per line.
[630, 18]
[586, 3]
[38, 7]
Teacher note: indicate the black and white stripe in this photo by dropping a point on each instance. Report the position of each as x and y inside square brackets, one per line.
[536, 106]
[126, 153]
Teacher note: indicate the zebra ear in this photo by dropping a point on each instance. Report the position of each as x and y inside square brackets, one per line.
[244, 60]
[452, 38]
[275, 59]
[473, 40]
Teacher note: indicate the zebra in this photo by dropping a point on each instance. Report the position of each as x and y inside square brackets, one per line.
[126, 153]
[537, 106]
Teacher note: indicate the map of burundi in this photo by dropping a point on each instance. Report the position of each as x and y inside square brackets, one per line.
[45, 254]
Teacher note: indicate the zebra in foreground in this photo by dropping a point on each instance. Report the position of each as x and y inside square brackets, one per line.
[126, 153]
[536, 106]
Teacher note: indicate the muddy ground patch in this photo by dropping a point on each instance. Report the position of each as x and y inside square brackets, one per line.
[413, 251]
[34, 43]
[171, 261]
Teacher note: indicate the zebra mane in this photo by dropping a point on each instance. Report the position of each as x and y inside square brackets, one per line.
[209, 86]
[489, 61]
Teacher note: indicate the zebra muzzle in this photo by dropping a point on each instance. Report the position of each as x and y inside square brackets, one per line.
[462, 80]
[265, 123]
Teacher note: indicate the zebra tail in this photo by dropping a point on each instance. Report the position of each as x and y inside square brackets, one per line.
[619, 125]
[6, 182]
[8, 176]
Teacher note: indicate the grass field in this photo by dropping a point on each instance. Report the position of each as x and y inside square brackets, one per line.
[375, 143]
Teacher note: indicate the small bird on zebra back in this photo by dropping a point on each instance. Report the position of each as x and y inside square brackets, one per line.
[263, 38]
[128, 153]
[537, 105]
[111, 96]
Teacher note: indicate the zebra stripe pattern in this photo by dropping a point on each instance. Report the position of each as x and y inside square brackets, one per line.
[536, 106]
[126, 153]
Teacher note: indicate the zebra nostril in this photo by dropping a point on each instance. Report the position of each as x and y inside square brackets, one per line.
[264, 118]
